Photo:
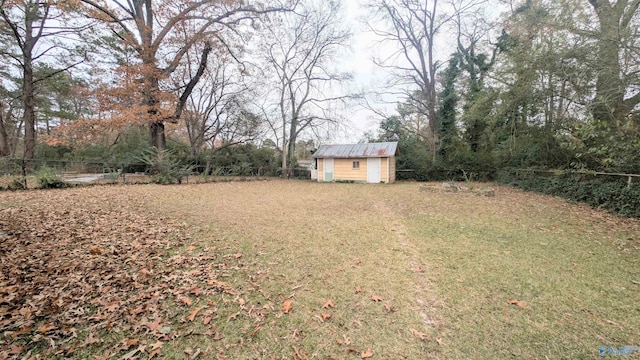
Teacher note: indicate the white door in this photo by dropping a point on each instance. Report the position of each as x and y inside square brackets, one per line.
[373, 170]
[328, 169]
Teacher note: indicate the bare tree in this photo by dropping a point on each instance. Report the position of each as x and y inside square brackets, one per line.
[413, 26]
[300, 50]
[31, 27]
[216, 115]
[154, 30]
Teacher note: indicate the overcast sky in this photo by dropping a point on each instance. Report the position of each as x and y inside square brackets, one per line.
[369, 77]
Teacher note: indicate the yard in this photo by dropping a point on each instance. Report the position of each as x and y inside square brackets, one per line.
[296, 270]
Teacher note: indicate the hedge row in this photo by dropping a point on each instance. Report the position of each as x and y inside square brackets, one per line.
[611, 193]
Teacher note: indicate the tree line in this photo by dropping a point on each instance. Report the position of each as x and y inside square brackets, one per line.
[479, 85]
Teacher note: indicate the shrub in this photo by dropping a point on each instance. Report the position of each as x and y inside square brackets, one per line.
[611, 193]
[49, 179]
[164, 168]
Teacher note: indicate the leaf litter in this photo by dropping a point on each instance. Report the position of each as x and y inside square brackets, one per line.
[80, 268]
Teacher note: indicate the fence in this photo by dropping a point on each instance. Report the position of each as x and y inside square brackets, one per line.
[629, 177]
[16, 170]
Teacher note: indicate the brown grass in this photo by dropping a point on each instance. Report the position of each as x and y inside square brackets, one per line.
[446, 266]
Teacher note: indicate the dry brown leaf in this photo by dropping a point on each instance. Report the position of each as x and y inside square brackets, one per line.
[44, 328]
[131, 342]
[326, 316]
[96, 251]
[366, 354]
[206, 320]
[191, 248]
[157, 345]
[15, 350]
[519, 303]
[192, 315]
[238, 255]
[417, 334]
[287, 306]
[376, 298]
[328, 304]
[358, 289]
[196, 291]
[389, 307]
[186, 301]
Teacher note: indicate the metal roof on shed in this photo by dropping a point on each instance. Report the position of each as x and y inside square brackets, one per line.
[383, 149]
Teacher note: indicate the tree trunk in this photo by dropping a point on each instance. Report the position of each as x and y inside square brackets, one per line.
[4, 137]
[158, 139]
[29, 113]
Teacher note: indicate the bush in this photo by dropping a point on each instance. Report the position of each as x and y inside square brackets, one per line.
[164, 168]
[49, 179]
[611, 193]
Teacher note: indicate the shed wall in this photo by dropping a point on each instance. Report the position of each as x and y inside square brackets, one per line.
[392, 169]
[343, 169]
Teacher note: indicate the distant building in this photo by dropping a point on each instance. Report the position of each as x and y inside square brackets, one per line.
[372, 163]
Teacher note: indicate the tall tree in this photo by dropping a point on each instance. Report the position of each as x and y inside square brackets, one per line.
[154, 30]
[616, 63]
[31, 27]
[414, 27]
[300, 50]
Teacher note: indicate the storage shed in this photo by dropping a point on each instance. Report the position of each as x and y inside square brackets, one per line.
[372, 163]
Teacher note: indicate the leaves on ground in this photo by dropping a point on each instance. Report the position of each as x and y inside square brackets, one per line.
[73, 262]
[519, 303]
[376, 298]
[287, 306]
[328, 304]
[366, 354]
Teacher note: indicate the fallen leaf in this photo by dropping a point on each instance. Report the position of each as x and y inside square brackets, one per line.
[46, 327]
[326, 316]
[287, 306]
[96, 251]
[358, 289]
[328, 304]
[206, 320]
[157, 345]
[131, 342]
[519, 303]
[15, 350]
[191, 248]
[388, 307]
[238, 255]
[186, 301]
[192, 315]
[196, 291]
[418, 334]
[366, 354]
[376, 298]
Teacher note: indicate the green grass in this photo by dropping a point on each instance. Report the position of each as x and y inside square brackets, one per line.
[445, 264]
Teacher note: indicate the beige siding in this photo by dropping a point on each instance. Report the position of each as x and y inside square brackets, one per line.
[383, 169]
[392, 169]
[343, 170]
[320, 169]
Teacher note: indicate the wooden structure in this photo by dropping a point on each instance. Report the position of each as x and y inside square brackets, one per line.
[371, 163]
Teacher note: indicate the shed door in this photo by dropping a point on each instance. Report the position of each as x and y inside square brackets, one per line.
[373, 170]
[328, 169]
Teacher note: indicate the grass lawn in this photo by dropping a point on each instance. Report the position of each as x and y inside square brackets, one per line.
[296, 270]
